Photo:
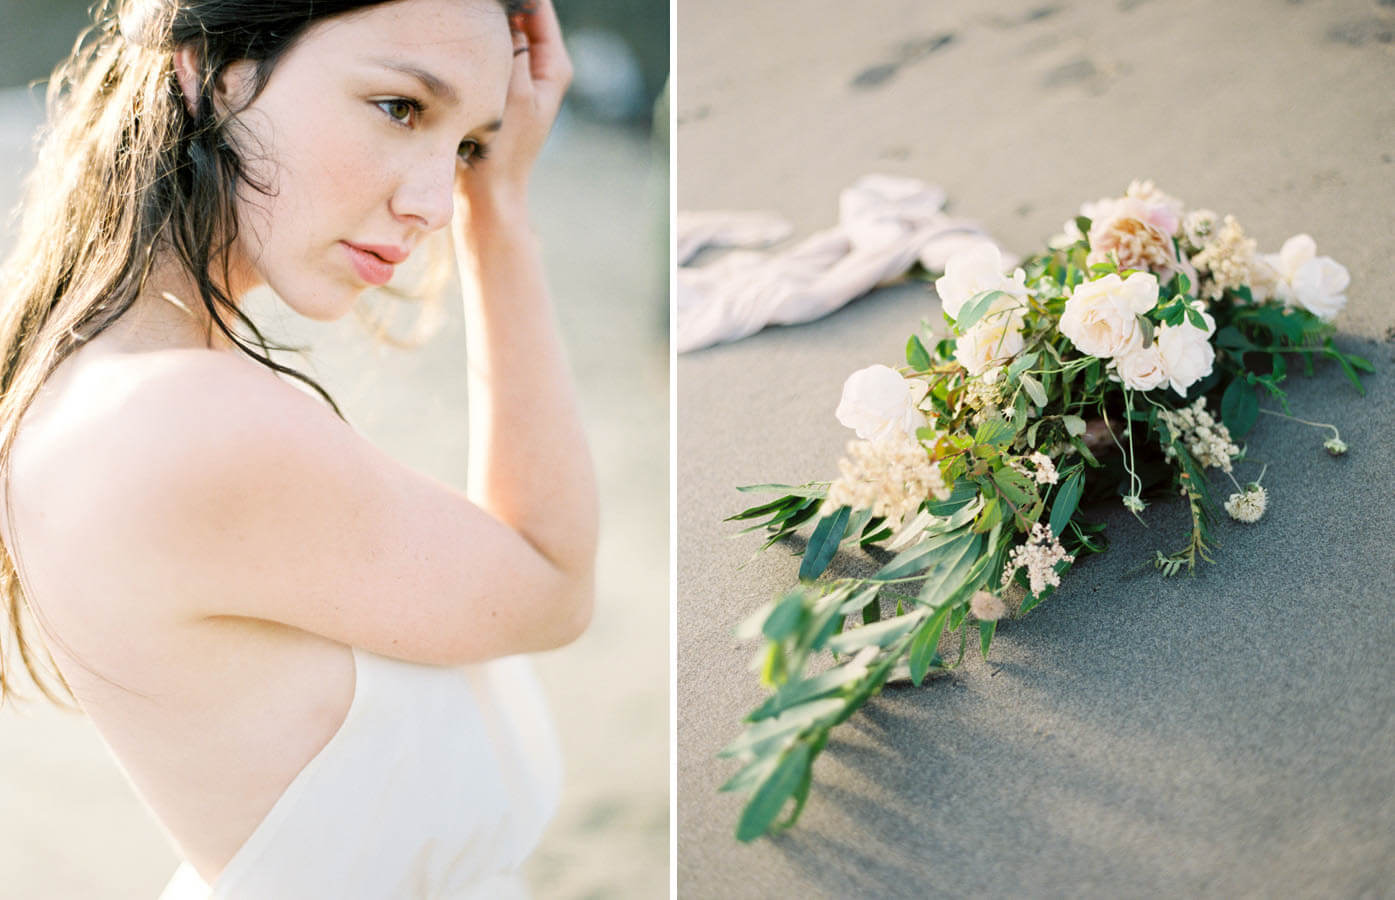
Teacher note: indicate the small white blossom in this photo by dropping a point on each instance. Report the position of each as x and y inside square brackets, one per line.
[1045, 469]
[1134, 503]
[1336, 446]
[1039, 557]
[1207, 440]
[891, 477]
[986, 607]
[1249, 505]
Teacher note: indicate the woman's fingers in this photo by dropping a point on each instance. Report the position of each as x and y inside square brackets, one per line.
[548, 55]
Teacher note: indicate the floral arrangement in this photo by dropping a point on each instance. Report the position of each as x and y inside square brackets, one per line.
[1127, 360]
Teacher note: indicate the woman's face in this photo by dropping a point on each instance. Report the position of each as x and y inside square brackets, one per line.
[359, 134]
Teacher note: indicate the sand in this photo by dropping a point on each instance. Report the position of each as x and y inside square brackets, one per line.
[1223, 735]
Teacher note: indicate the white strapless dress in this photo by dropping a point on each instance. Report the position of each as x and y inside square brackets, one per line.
[436, 787]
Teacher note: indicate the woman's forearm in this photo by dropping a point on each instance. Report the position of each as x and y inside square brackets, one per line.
[529, 465]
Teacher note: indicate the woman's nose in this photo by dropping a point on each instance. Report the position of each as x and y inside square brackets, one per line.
[426, 194]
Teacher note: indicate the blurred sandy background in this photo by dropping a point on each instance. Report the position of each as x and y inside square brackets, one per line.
[70, 825]
[1228, 735]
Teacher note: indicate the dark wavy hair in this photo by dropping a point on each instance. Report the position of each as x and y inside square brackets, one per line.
[125, 173]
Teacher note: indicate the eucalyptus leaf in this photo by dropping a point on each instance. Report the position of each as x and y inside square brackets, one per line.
[927, 641]
[1021, 364]
[785, 618]
[985, 636]
[1067, 499]
[1034, 389]
[915, 559]
[768, 799]
[823, 543]
[951, 571]
[767, 734]
[1075, 426]
[881, 634]
[797, 692]
[975, 308]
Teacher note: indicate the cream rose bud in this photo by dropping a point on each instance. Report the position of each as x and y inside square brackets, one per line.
[877, 402]
[1317, 283]
[1141, 369]
[1101, 316]
[1186, 351]
[972, 271]
[990, 343]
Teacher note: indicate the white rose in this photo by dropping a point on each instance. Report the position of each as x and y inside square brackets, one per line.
[877, 402]
[1101, 316]
[1187, 354]
[1317, 283]
[990, 343]
[1141, 369]
[973, 271]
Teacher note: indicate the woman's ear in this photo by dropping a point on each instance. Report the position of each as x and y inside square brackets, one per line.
[186, 72]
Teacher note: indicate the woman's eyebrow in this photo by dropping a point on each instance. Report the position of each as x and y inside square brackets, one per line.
[435, 86]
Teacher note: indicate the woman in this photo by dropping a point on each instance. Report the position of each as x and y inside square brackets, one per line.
[294, 645]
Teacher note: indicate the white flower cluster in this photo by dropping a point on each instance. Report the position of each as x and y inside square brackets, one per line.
[1043, 469]
[1247, 506]
[982, 396]
[1228, 258]
[1039, 557]
[1101, 319]
[997, 336]
[891, 477]
[1207, 440]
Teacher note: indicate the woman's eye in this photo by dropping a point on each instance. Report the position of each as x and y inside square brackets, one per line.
[470, 151]
[399, 110]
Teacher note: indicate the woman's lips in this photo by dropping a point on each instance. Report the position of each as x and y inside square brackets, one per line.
[369, 266]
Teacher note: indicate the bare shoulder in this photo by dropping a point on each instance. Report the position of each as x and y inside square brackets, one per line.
[217, 488]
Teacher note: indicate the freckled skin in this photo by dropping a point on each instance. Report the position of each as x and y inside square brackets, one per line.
[341, 168]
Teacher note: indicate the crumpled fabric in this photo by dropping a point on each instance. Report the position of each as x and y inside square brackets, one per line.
[885, 225]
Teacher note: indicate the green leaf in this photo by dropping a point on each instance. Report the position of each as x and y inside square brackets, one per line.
[797, 692]
[1231, 338]
[800, 490]
[1361, 364]
[1021, 364]
[1075, 426]
[1018, 488]
[927, 641]
[881, 634]
[1034, 389]
[951, 570]
[1346, 367]
[761, 737]
[917, 357]
[1146, 324]
[784, 619]
[823, 543]
[871, 613]
[1083, 223]
[1067, 498]
[765, 508]
[1194, 317]
[752, 774]
[767, 801]
[994, 432]
[975, 308]
[915, 559]
[985, 636]
[1239, 407]
[963, 493]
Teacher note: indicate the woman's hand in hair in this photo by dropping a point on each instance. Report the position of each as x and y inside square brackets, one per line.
[542, 71]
